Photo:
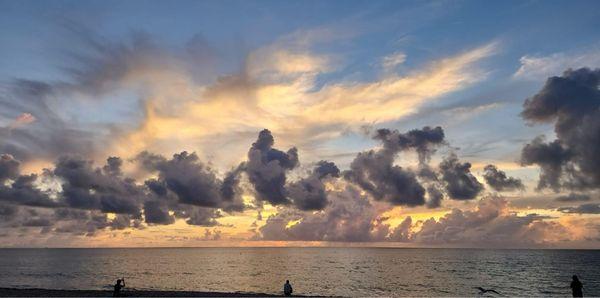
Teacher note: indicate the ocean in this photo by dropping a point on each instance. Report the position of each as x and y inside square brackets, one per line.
[312, 271]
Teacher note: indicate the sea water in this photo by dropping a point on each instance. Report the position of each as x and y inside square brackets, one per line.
[312, 271]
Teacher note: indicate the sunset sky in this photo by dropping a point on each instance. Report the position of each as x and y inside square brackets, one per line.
[274, 123]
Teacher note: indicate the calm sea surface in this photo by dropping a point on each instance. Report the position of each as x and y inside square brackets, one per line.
[316, 271]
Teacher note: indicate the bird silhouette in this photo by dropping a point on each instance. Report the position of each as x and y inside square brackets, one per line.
[483, 291]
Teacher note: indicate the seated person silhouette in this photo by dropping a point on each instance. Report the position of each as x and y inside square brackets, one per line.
[287, 288]
[577, 287]
[118, 286]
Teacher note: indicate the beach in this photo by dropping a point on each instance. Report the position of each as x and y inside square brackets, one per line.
[13, 292]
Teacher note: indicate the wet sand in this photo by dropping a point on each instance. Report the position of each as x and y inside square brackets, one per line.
[10, 292]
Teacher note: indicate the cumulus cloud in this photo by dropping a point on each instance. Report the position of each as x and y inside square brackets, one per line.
[498, 180]
[459, 182]
[424, 141]
[489, 224]
[309, 193]
[374, 170]
[156, 212]
[267, 167]
[192, 181]
[349, 217]
[92, 188]
[23, 191]
[572, 103]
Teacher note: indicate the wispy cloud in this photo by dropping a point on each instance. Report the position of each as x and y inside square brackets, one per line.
[540, 67]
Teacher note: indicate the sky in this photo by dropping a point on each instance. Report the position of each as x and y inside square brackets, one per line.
[300, 123]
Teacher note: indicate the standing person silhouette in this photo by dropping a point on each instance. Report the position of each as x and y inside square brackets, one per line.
[287, 288]
[118, 286]
[577, 287]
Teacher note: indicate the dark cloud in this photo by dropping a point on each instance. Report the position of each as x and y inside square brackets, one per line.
[231, 190]
[460, 183]
[573, 197]
[551, 157]
[113, 166]
[375, 172]
[498, 180]
[199, 216]
[434, 197]
[156, 212]
[326, 168]
[37, 222]
[267, 167]
[192, 181]
[24, 192]
[424, 141]
[309, 193]
[86, 187]
[582, 209]
[9, 167]
[572, 103]
[157, 187]
[7, 212]
[71, 214]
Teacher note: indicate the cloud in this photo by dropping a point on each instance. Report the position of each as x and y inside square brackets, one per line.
[349, 217]
[156, 212]
[200, 216]
[572, 103]
[582, 209]
[23, 191]
[22, 119]
[541, 67]
[192, 181]
[392, 61]
[459, 182]
[9, 167]
[490, 224]
[309, 193]
[498, 180]
[92, 188]
[423, 141]
[50, 135]
[573, 197]
[266, 168]
[288, 98]
[374, 170]
[375, 173]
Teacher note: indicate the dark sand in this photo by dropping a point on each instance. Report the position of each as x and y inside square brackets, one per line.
[9, 292]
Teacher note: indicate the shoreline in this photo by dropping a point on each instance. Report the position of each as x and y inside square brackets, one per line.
[35, 292]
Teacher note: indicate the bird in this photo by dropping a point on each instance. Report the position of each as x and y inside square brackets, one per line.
[483, 291]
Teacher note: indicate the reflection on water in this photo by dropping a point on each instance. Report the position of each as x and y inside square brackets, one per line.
[323, 271]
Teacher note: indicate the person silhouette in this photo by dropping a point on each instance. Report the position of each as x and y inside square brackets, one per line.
[118, 286]
[577, 287]
[287, 288]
